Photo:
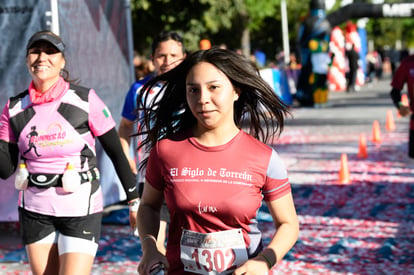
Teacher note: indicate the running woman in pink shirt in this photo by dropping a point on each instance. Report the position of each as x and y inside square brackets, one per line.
[210, 161]
[52, 127]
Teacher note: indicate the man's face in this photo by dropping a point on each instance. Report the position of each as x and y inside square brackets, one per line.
[167, 55]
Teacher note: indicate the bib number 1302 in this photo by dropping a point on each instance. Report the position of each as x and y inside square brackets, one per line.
[212, 253]
[217, 260]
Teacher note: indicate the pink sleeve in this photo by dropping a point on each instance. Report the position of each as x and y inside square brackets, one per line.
[6, 132]
[100, 118]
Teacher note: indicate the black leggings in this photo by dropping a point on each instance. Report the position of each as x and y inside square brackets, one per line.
[411, 144]
[411, 138]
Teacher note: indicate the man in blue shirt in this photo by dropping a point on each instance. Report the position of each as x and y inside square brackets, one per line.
[167, 52]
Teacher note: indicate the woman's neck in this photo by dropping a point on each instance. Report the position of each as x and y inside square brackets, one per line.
[44, 85]
[215, 137]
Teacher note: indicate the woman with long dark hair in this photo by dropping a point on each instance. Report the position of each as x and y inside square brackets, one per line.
[207, 133]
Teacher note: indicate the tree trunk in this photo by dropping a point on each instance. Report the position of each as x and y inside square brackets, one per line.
[245, 42]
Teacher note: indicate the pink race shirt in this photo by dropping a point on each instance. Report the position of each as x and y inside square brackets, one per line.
[213, 189]
[53, 134]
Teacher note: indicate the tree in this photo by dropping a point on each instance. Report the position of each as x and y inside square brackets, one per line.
[252, 14]
[384, 32]
[205, 19]
[194, 19]
[242, 24]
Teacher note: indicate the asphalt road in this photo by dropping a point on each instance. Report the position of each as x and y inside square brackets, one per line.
[347, 111]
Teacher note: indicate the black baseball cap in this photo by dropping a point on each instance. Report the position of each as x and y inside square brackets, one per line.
[44, 36]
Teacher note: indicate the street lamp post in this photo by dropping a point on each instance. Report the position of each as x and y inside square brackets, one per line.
[285, 32]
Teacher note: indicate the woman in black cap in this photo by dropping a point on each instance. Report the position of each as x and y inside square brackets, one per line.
[60, 201]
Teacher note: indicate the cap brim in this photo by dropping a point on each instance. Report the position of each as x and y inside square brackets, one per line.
[55, 41]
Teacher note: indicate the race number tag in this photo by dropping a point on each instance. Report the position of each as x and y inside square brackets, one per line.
[212, 253]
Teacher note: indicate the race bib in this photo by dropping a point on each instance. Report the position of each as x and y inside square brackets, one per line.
[212, 253]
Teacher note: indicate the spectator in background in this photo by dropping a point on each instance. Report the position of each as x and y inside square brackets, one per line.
[371, 63]
[394, 60]
[378, 65]
[137, 60]
[293, 62]
[139, 66]
[223, 46]
[144, 69]
[260, 58]
[205, 44]
[352, 56]
[167, 52]
[280, 60]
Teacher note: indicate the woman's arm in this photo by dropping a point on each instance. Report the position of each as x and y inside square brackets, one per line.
[287, 231]
[286, 221]
[9, 155]
[148, 227]
[112, 146]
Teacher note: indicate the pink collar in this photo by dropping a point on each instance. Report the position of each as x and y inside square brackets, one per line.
[57, 89]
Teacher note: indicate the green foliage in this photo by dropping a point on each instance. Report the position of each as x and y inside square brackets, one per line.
[407, 34]
[195, 19]
[384, 32]
[258, 11]
[224, 21]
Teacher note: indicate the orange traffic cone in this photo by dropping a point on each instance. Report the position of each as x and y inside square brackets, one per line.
[376, 132]
[389, 123]
[404, 100]
[362, 146]
[344, 176]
